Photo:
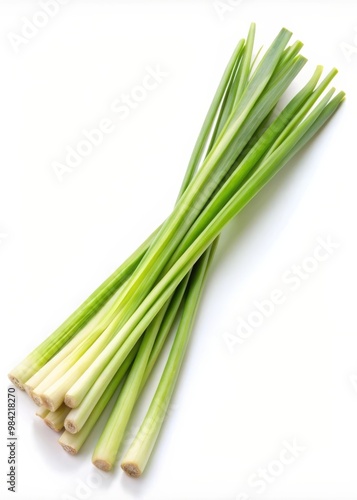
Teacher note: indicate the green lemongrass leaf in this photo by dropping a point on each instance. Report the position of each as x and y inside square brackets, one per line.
[290, 53]
[204, 135]
[257, 152]
[77, 320]
[307, 106]
[246, 65]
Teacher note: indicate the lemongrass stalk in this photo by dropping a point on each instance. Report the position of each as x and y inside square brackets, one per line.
[107, 448]
[52, 395]
[272, 58]
[138, 455]
[81, 338]
[78, 416]
[73, 324]
[99, 374]
[73, 442]
[51, 345]
[151, 304]
[199, 190]
[55, 420]
[37, 359]
[42, 412]
[87, 381]
[298, 106]
[139, 452]
[208, 176]
[51, 392]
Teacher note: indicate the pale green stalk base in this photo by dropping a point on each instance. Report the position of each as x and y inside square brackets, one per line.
[54, 343]
[106, 450]
[42, 412]
[73, 442]
[49, 373]
[55, 420]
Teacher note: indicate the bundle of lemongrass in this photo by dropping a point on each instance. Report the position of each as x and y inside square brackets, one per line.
[115, 337]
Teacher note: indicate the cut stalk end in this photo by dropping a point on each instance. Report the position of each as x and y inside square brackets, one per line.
[70, 426]
[70, 401]
[35, 398]
[102, 465]
[131, 469]
[51, 425]
[29, 390]
[47, 402]
[69, 449]
[17, 383]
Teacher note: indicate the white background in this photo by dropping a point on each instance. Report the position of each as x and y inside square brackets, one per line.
[233, 408]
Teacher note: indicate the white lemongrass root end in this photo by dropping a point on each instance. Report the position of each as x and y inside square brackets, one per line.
[102, 465]
[29, 390]
[51, 425]
[131, 469]
[16, 382]
[70, 401]
[70, 426]
[35, 397]
[47, 402]
[69, 449]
